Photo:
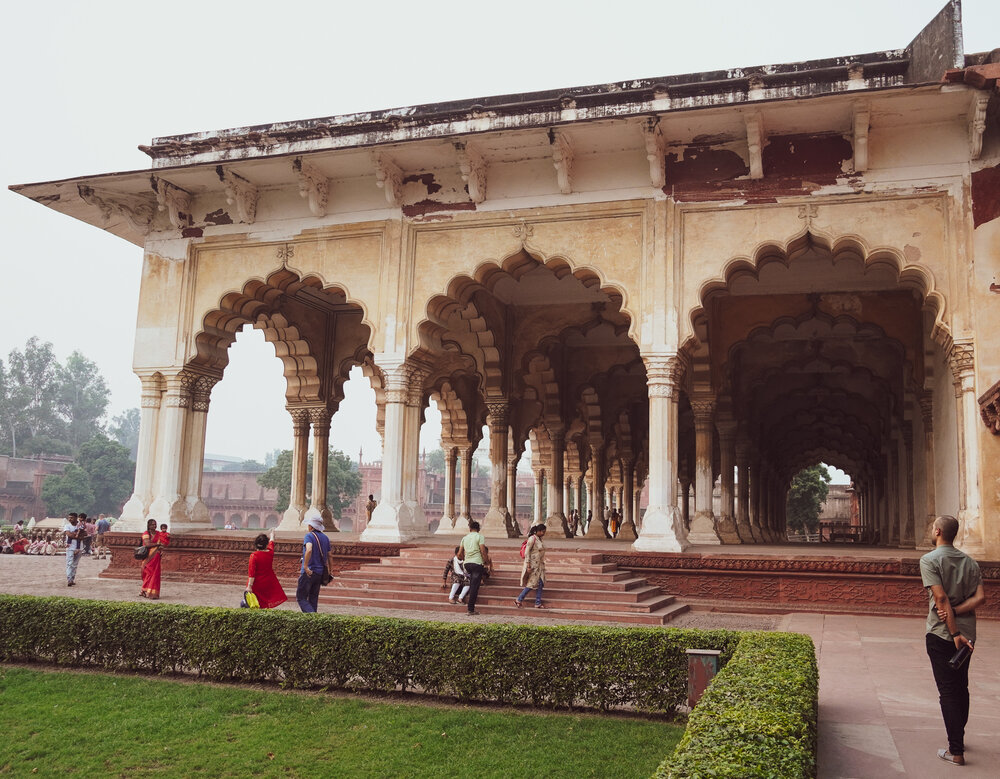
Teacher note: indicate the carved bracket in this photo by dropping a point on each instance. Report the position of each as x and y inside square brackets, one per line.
[989, 408]
[473, 168]
[755, 143]
[174, 200]
[656, 152]
[389, 177]
[562, 160]
[138, 212]
[314, 186]
[862, 122]
[977, 123]
[240, 192]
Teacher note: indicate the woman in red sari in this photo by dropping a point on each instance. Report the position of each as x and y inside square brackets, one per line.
[151, 566]
[262, 582]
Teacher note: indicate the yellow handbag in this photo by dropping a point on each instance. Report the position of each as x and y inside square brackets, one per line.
[250, 601]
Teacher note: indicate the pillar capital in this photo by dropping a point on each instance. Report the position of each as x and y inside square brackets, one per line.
[664, 374]
[703, 408]
[499, 409]
[962, 361]
[201, 392]
[319, 417]
[300, 420]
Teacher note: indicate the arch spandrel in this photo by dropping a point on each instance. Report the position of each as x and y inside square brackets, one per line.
[905, 236]
[604, 247]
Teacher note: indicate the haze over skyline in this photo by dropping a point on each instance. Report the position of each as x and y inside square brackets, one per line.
[87, 83]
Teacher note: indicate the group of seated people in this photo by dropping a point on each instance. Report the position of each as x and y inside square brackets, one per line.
[35, 542]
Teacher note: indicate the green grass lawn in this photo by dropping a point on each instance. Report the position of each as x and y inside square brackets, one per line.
[61, 722]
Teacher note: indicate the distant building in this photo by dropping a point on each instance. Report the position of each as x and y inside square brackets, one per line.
[21, 485]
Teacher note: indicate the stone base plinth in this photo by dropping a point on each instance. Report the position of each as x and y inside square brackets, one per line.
[224, 556]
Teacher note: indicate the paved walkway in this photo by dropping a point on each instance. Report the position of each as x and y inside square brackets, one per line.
[878, 713]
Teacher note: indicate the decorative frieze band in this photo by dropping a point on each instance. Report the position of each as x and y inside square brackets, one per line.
[137, 211]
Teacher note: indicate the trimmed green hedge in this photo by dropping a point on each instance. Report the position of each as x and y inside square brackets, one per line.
[758, 718]
[594, 667]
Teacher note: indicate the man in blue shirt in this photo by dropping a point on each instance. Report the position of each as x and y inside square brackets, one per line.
[315, 559]
[103, 526]
[74, 546]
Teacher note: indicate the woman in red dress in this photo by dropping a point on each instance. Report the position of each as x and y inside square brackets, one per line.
[151, 566]
[262, 582]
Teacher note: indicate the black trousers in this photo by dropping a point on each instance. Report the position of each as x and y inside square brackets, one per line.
[475, 572]
[953, 691]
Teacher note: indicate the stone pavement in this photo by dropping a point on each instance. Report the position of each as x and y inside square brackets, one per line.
[878, 711]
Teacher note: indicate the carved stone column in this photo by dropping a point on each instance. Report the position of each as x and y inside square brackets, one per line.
[743, 491]
[962, 363]
[703, 529]
[320, 420]
[291, 520]
[662, 527]
[597, 498]
[764, 498]
[133, 516]
[197, 424]
[411, 449]
[512, 459]
[726, 526]
[465, 462]
[567, 495]
[495, 523]
[168, 505]
[628, 529]
[926, 540]
[581, 505]
[637, 518]
[536, 496]
[554, 476]
[685, 487]
[907, 539]
[392, 520]
[447, 524]
[755, 523]
[892, 492]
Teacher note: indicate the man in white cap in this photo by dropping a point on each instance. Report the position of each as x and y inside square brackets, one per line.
[315, 561]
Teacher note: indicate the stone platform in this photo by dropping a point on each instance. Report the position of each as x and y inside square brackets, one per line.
[830, 578]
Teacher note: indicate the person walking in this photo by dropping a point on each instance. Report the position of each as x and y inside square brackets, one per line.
[90, 531]
[533, 570]
[955, 586]
[72, 532]
[262, 580]
[476, 559]
[103, 526]
[315, 560]
[460, 579]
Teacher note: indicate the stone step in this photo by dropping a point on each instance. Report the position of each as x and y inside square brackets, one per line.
[508, 554]
[660, 616]
[605, 570]
[509, 588]
[622, 582]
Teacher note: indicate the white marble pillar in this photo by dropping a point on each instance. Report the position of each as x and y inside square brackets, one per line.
[512, 459]
[703, 526]
[392, 520]
[411, 449]
[892, 490]
[726, 525]
[628, 526]
[536, 495]
[291, 520]
[133, 516]
[907, 539]
[963, 363]
[925, 535]
[556, 520]
[320, 420]
[597, 476]
[197, 425]
[465, 463]
[495, 523]
[662, 527]
[636, 499]
[743, 491]
[168, 504]
[447, 524]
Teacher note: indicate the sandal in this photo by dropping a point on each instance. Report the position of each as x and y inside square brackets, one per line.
[517, 603]
[539, 606]
[452, 601]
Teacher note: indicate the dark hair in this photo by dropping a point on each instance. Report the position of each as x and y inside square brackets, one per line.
[260, 542]
[457, 548]
[473, 525]
[536, 528]
[949, 527]
[82, 515]
[150, 522]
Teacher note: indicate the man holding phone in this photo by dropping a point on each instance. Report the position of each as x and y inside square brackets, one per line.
[955, 585]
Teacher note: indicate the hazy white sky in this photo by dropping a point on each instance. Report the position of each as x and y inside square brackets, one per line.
[85, 83]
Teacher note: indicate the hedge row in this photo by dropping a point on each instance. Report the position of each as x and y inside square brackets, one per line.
[758, 718]
[594, 667]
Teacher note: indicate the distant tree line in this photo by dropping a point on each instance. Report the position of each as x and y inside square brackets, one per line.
[52, 408]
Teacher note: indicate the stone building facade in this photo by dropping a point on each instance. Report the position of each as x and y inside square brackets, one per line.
[657, 282]
[21, 481]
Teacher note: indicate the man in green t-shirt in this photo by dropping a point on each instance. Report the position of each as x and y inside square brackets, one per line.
[476, 558]
[956, 590]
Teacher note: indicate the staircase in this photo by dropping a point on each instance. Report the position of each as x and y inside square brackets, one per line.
[578, 586]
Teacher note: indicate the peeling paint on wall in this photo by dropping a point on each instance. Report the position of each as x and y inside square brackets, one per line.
[985, 195]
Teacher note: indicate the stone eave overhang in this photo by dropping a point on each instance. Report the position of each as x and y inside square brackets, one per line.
[989, 408]
[875, 71]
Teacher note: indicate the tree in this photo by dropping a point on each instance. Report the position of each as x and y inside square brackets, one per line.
[806, 497]
[111, 472]
[32, 391]
[82, 399]
[124, 428]
[67, 492]
[99, 482]
[435, 462]
[342, 480]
